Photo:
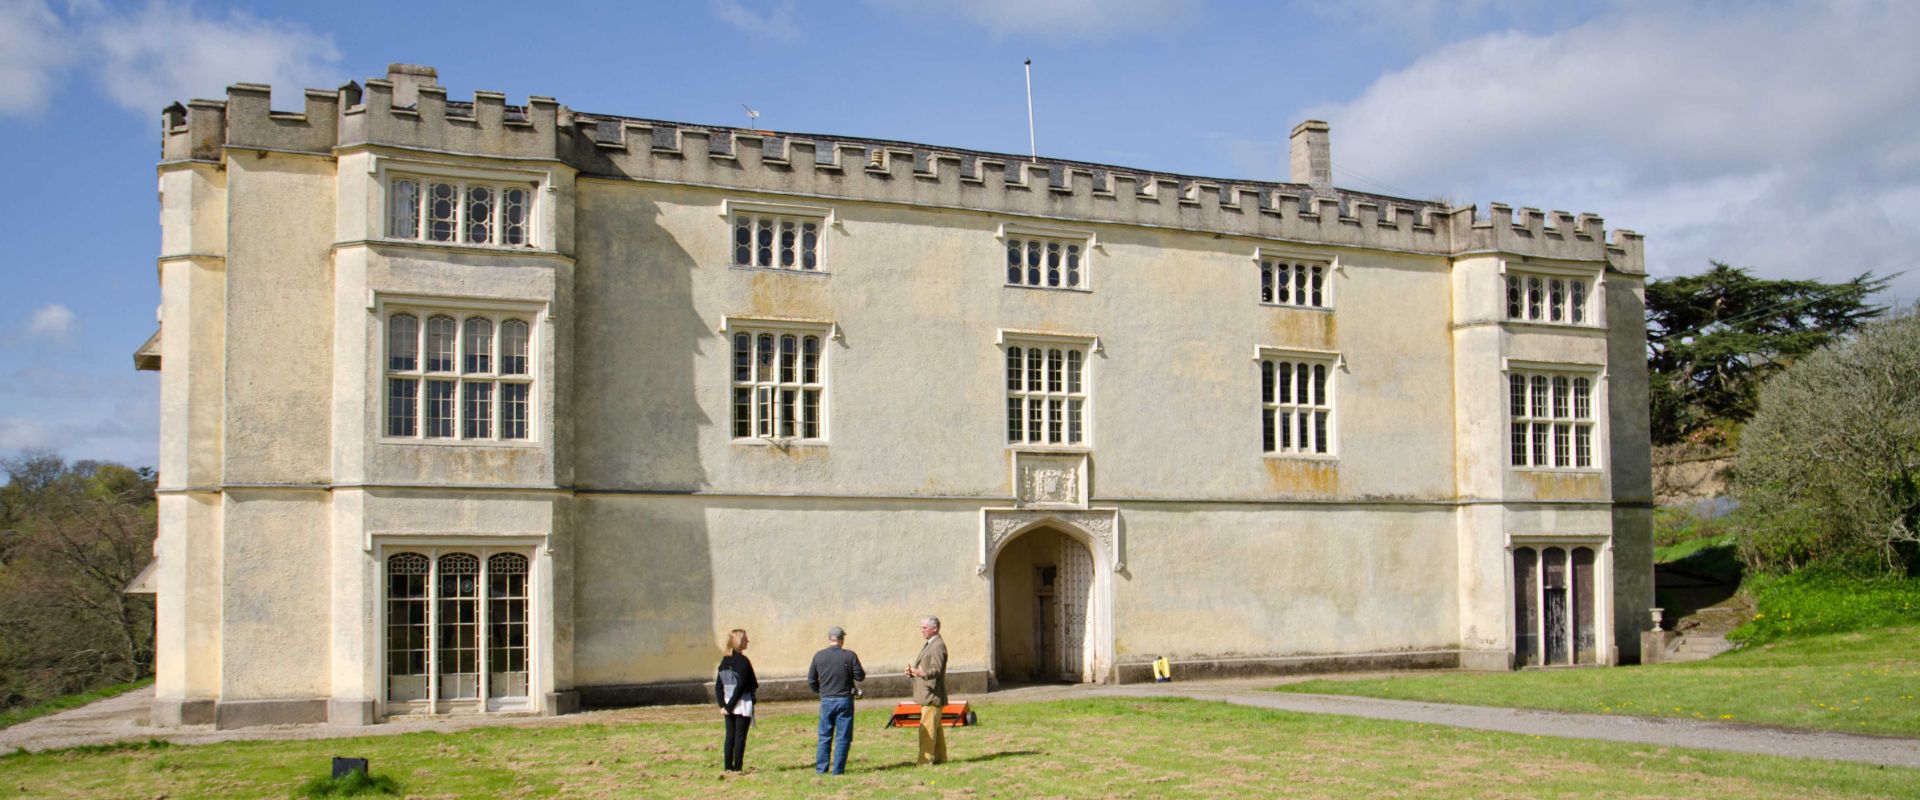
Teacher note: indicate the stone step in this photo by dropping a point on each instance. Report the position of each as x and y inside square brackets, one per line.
[1696, 647]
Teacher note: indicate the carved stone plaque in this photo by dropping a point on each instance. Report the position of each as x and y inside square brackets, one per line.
[1050, 480]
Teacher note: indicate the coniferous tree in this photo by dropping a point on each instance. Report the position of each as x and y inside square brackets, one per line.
[1714, 338]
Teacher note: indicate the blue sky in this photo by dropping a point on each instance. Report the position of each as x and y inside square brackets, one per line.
[1776, 135]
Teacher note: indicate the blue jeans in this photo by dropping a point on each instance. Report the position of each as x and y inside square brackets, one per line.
[836, 724]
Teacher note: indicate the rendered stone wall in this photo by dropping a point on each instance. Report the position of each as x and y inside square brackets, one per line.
[275, 599]
[279, 294]
[920, 299]
[660, 578]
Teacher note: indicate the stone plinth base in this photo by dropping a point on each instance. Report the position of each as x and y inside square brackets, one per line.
[649, 694]
[1200, 669]
[173, 713]
[250, 713]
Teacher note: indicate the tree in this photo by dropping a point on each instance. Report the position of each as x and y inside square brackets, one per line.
[72, 536]
[1714, 338]
[1829, 468]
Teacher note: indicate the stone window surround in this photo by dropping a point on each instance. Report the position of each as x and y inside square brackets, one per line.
[1594, 275]
[422, 307]
[827, 217]
[1293, 255]
[1088, 344]
[829, 333]
[1603, 611]
[386, 169]
[1336, 363]
[1087, 237]
[1596, 373]
[483, 548]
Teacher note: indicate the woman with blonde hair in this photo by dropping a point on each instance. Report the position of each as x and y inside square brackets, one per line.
[734, 686]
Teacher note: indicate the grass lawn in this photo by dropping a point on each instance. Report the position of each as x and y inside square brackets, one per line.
[1085, 748]
[15, 716]
[1858, 682]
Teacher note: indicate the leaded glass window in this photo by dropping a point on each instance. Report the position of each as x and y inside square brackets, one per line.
[778, 384]
[1549, 299]
[1046, 394]
[777, 241]
[458, 624]
[460, 211]
[1296, 406]
[467, 378]
[1292, 282]
[1551, 419]
[1046, 262]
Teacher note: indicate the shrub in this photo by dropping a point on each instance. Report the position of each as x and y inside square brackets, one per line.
[1830, 466]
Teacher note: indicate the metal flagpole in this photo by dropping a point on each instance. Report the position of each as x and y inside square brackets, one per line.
[1033, 153]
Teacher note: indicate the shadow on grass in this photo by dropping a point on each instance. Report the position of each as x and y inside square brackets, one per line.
[995, 756]
[969, 760]
[1702, 579]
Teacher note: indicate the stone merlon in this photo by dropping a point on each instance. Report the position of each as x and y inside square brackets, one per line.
[409, 110]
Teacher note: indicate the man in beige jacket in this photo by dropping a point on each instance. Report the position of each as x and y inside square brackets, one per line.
[928, 674]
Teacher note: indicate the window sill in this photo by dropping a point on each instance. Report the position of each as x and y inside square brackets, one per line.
[756, 441]
[1586, 327]
[1328, 458]
[1024, 447]
[457, 247]
[1560, 470]
[780, 270]
[1077, 289]
[1321, 309]
[513, 444]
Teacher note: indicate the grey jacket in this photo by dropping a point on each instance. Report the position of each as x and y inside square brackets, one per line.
[834, 671]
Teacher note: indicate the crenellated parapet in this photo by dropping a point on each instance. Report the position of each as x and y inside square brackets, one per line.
[485, 127]
[1552, 234]
[910, 174]
[409, 110]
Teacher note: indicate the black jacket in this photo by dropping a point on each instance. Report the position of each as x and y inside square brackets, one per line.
[748, 683]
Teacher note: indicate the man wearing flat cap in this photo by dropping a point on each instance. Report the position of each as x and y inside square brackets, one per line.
[834, 671]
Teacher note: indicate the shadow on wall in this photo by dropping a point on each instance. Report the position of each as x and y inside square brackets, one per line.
[643, 587]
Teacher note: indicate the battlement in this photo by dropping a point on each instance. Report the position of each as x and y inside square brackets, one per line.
[407, 109]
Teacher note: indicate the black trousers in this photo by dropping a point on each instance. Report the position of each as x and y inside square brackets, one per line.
[735, 750]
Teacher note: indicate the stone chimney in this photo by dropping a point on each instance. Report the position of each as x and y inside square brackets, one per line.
[408, 78]
[1312, 157]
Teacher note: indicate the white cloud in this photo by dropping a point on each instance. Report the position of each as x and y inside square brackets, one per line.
[1428, 21]
[53, 321]
[33, 50]
[1053, 17]
[1778, 136]
[149, 57]
[170, 51]
[776, 22]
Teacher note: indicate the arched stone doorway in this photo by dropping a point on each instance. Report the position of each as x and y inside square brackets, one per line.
[1046, 609]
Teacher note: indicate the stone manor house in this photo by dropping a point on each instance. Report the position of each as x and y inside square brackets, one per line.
[469, 407]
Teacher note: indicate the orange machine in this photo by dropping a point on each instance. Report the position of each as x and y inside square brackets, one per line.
[952, 715]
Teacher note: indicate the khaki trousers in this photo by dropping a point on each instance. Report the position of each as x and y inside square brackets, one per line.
[933, 735]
